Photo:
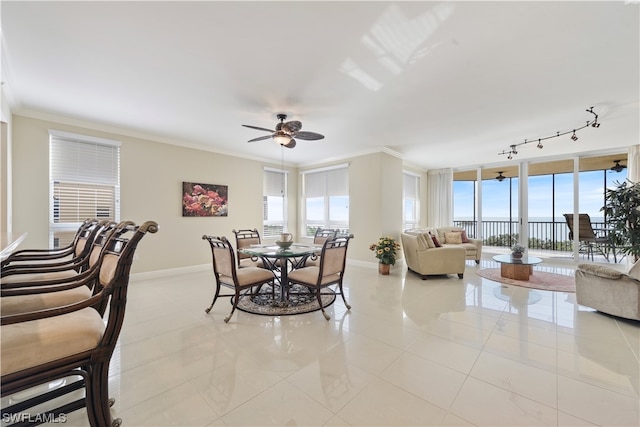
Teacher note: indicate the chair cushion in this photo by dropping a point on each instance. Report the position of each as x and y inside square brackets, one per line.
[36, 277]
[28, 344]
[309, 276]
[26, 303]
[249, 275]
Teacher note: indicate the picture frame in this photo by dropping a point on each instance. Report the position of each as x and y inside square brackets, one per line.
[204, 200]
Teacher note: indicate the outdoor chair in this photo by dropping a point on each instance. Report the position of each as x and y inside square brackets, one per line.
[589, 238]
[330, 272]
[68, 342]
[227, 273]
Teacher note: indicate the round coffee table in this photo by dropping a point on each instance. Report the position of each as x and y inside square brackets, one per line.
[516, 268]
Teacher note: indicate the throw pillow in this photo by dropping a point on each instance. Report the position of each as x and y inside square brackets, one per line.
[454, 238]
[435, 241]
[634, 271]
[463, 235]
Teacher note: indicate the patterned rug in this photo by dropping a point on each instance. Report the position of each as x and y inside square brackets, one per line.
[538, 280]
[300, 301]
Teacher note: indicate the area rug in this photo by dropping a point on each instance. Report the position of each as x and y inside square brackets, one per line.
[300, 301]
[538, 280]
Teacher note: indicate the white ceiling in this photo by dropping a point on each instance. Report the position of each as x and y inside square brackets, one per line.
[444, 84]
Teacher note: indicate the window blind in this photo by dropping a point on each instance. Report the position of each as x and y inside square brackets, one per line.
[85, 178]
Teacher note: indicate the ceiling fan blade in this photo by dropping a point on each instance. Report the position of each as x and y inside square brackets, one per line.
[261, 138]
[291, 143]
[292, 127]
[310, 136]
[258, 128]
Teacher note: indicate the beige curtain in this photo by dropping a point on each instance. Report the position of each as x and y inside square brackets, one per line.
[440, 198]
[633, 163]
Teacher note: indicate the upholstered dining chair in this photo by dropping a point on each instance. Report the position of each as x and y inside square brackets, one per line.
[74, 249]
[330, 272]
[321, 236]
[70, 342]
[41, 258]
[41, 274]
[21, 297]
[244, 238]
[227, 274]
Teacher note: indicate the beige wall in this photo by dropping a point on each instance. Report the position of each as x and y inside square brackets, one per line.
[151, 183]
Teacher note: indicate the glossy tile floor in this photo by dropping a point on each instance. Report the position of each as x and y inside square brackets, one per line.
[410, 352]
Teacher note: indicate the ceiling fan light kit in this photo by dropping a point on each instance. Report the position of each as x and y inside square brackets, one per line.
[513, 148]
[286, 132]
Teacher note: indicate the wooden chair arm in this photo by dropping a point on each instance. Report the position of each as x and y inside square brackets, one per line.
[57, 311]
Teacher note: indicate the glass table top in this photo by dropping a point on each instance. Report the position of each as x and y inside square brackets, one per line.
[274, 251]
[525, 260]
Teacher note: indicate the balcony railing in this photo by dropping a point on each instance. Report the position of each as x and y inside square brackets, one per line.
[545, 235]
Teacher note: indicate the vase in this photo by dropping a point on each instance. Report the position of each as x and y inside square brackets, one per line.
[384, 268]
[516, 255]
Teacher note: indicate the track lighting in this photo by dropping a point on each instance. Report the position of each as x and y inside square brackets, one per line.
[513, 149]
[574, 137]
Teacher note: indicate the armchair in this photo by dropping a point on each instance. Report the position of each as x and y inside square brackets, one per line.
[609, 291]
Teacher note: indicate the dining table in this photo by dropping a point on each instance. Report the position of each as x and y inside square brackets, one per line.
[280, 260]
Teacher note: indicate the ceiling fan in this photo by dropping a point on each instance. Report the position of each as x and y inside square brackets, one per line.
[286, 132]
[617, 167]
[501, 177]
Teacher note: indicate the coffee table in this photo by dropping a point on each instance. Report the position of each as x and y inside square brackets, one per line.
[516, 268]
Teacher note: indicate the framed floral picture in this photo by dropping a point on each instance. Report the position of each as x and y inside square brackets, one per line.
[204, 199]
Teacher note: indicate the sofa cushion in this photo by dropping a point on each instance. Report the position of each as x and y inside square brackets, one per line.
[634, 271]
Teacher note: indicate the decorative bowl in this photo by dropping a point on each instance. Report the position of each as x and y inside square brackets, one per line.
[284, 245]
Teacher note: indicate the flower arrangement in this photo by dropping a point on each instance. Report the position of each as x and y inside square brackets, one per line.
[385, 250]
[517, 248]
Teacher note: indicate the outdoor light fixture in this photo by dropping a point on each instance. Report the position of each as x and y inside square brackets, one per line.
[590, 123]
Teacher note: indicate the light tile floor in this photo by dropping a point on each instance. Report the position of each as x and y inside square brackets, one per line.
[410, 352]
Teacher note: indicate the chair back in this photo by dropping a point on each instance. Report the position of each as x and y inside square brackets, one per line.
[322, 234]
[585, 230]
[223, 258]
[245, 238]
[333, 257]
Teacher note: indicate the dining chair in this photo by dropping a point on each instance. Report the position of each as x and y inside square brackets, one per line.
[321, 235]
[589, 238]
[244, 238]
[75, 251]
[228, 274]
[68, 342]
[330, 272]
[21, 297]
[40, 274]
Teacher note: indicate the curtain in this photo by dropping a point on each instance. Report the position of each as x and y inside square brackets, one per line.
[633, 163]
[440, 198]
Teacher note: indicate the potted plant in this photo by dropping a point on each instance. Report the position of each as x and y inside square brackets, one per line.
[385, 250]
[622, 213]
[517, 250]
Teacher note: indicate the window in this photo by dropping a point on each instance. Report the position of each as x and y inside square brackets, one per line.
[411, 200]
[274, 203]
[326, 199]
[84, 183]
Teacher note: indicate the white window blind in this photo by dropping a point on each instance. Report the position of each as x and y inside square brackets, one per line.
[326, 195]
[85, 182]
[411, 200]
[275, 203]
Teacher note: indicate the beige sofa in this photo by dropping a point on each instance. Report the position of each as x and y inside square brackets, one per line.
[423, 258]
[609, 291]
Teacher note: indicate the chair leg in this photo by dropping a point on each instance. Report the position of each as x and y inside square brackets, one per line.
[97, 397]
[343, 298]
[324, 313]
[215, 297]
[235, 304]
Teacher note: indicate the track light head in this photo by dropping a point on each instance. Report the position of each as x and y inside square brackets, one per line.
[513, 149]
[596, 125]
[539, 144]
[574, 136]
[509, 156]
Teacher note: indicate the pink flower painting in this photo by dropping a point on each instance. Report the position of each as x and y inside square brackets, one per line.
[204, 199]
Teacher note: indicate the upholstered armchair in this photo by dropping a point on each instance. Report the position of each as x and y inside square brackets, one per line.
[609, 291]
